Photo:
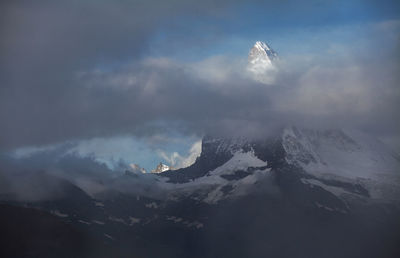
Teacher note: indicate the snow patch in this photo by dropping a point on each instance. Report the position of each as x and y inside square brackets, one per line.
[84, 222]
[118, 220]
[190, 224]
[59, 214]
[108, 236]
[134, 220]
[337, 191]
[240, 161]
[211, 188]
[99, 204]
[151, 205]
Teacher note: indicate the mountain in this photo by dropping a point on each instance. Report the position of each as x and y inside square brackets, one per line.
[297, 192]
[29, 232]
[348, 156]
[161, 168]
[261, 52]
[343, 164]
[262, 62]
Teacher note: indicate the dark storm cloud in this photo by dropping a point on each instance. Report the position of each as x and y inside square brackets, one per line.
[43, 44]
[78, 69]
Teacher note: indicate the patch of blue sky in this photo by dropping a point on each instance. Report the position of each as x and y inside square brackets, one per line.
[288, 26]
[115, 150]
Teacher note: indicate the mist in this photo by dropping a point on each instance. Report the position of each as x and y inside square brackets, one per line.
[57, 89]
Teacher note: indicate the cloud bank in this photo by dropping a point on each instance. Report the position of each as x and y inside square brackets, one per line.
[65, 76]
[90, 71]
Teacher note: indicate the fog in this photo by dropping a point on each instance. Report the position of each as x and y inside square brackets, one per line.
[66, 76]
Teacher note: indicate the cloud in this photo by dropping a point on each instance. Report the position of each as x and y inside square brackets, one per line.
[83, 75]
[177, 161]
[218, 95]
[59, 178]
[44, 44]
[145, 98]
[73, 71]
[48, 174]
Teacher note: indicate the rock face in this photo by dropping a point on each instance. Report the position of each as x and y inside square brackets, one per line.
[340, 162]
[346, 153]
[262, 63]
[217, 151]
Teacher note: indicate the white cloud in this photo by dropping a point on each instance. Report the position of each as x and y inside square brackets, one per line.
[178, 161]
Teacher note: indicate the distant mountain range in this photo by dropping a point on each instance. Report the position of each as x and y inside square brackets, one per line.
[135, 168]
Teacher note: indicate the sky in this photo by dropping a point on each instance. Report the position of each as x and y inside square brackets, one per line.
[142, 81]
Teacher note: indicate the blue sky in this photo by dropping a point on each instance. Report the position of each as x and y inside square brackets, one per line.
[127, 149]
[290, 26]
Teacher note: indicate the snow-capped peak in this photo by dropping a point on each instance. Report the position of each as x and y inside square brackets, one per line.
[262, 49]
[261, 63]
[160, 168]
[344, 155]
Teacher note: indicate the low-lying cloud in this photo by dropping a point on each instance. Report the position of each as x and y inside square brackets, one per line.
[176, 160]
